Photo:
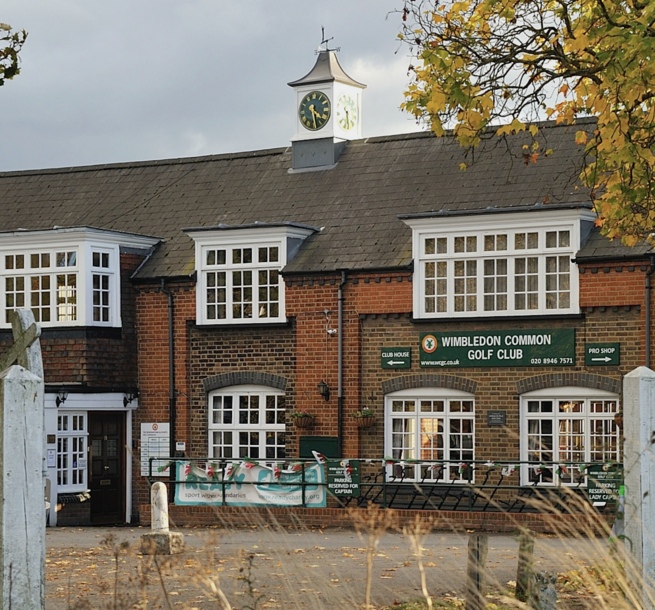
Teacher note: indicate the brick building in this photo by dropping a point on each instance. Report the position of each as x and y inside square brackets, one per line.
[479, 314]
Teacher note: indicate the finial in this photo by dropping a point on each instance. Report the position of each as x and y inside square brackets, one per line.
[325, 42]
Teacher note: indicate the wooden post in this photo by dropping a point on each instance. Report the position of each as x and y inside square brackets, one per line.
[543, 591]
[22, 449]
[639, 461]
[524, 570]
[477, 559]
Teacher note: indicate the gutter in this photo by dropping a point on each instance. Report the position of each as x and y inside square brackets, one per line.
[340, 365]
[171, 374]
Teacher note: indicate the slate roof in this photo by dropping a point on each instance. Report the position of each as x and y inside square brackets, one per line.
[356, 204]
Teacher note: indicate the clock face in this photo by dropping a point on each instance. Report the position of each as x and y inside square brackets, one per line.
[346, 112]
[314, 110]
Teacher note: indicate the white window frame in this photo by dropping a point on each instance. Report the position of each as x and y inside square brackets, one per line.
[44, 266]
[563, 451]
[238, 239]
[219, 424]
[454, 456]
[72, 446]
[103, 289]
[84, 242]
[449, 228]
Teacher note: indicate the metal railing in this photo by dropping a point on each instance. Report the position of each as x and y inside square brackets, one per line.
[486, 486]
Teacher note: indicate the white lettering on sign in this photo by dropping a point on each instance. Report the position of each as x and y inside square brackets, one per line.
[396, 354]
[494, 340]
[501, 354]
[477, 341]
[602, 350]
[528, 340]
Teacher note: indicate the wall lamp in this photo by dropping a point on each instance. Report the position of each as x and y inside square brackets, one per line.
[129, 398]
[61, 398]
[324, 390]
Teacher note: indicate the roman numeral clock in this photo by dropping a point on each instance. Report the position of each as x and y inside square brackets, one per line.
[315, 110]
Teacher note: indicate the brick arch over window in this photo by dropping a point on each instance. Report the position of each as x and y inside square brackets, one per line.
[244, 378]
[408, 382]
[582, 380]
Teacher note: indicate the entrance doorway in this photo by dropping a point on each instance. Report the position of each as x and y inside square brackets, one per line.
[107, 474]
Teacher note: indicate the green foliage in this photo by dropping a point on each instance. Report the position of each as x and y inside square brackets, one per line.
[363, 413]
[300, 414]
[485, 62]
[10, 45]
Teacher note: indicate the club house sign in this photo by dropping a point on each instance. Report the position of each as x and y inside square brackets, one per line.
[498, 348]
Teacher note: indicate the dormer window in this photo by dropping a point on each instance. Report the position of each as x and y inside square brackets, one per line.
[239, 272]
[499, 264]
[67, 277]
[251, 276]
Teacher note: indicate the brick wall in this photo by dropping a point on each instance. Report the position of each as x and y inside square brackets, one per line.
[220, 350]
[151, 315]
[377, 314]
[619, 288]
[449, 521]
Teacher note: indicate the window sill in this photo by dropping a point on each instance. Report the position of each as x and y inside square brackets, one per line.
[235, 325]
[500, 319]
[73, 332]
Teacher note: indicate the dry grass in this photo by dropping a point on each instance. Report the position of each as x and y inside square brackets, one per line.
[294, 570]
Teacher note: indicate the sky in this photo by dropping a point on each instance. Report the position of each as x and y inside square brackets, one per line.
[132, 80]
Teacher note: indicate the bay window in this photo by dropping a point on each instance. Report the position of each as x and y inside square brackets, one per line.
[67, 277]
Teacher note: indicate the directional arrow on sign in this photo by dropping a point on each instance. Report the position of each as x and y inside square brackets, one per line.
[606, 359]
[394, 362]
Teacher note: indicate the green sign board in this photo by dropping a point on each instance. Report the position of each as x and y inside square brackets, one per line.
[550, 347]
[343, 478]
[602, 354]
[396, 357]
[603, 483]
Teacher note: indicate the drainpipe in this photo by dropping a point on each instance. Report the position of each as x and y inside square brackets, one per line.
[171, 373]
[649, 290]
[340, 364]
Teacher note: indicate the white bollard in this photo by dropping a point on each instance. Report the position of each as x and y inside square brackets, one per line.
[160, 541]
[159, 502]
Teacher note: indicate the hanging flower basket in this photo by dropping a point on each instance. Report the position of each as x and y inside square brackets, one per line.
[366, 421]
[364, 418]
[302, 419]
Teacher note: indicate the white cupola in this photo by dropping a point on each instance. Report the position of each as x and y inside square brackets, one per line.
[328, 111]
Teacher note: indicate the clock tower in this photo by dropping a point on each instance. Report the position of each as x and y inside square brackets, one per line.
[328, 112]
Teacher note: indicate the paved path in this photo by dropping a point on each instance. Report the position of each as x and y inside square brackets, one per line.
[289, 569]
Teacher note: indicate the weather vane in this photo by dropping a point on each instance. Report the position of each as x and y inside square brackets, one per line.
[325, 42]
